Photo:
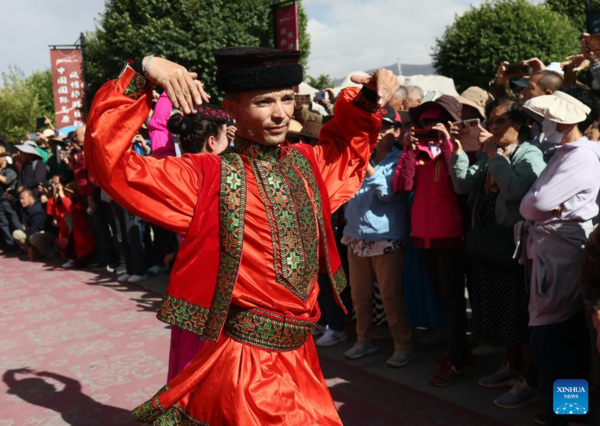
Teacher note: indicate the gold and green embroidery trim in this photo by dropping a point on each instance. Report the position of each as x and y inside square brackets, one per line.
[232, 211]
[152, 412]
[182, 314]
[338, 278]
[268, 330]
[137, 87]
[232, 215]
[292, 222]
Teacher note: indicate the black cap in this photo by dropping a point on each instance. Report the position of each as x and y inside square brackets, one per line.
[243, 69]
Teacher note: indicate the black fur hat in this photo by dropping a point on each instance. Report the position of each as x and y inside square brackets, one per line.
[243, 69]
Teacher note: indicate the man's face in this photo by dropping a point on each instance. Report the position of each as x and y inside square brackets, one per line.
[26, 200]
[263, 116]
[55, 181]
[533, 90]
[398, 103]
[79, 136]
[388, 133]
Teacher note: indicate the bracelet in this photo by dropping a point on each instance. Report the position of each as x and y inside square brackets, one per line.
[147, 65]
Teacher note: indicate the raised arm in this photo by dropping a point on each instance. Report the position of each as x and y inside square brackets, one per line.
[163, 191]
[346, 141]
[161, 139]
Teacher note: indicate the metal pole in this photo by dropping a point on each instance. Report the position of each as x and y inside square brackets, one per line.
[84, 72]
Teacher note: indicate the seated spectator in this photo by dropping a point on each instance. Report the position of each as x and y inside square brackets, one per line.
[9, 220]
[34, 236]
[375, 234]
[437, 225]
[33, 171]
[560, 208]
[499, 301]
[415, 96]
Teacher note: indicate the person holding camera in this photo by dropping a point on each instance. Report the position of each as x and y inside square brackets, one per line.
[437, 222]
[499, 301]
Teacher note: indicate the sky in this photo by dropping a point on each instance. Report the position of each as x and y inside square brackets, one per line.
[346, 35]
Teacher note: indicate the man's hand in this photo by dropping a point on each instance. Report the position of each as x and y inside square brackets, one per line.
[184, 91]
[578, 62]
[382, 81]
[502, 73]
[535, 64]
[370, 170]
[586, 51]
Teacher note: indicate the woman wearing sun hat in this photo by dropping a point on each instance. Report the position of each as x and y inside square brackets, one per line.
[559, 209]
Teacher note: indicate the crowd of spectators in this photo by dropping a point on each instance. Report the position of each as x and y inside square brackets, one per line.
[488, 198]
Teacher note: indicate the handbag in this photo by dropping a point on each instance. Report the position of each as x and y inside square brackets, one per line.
[491, 244]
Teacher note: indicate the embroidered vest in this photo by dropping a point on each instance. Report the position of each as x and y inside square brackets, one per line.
[200, 302]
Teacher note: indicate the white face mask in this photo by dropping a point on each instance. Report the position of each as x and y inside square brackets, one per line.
[552, 135]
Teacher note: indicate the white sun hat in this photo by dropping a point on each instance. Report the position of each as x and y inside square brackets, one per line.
[558, 107]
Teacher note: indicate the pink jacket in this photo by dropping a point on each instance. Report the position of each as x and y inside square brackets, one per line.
[160, 137]
[436, 218]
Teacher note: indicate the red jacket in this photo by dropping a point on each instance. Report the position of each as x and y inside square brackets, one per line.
[436, 217]
[82, 236]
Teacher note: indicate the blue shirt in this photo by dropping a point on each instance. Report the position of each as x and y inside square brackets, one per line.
[376, 212]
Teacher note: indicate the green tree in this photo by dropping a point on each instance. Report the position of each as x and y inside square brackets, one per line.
[184, 31]
[574, 9]
[322, 82]
[22, 100]
[471, 49]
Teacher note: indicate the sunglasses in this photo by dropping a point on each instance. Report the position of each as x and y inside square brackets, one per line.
[498, 121]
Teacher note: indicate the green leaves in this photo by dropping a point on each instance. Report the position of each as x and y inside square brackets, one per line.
[184, 31]
[324, 81]
[22, 100]
[473, 47]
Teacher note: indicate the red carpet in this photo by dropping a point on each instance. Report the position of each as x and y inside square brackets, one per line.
[81, 349]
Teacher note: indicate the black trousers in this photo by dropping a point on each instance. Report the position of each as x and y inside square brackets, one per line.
[9, 221]
[561, 351]
[445, 269]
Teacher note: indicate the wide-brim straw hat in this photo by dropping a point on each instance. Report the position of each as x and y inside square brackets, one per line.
[558, 107]
[477, 98]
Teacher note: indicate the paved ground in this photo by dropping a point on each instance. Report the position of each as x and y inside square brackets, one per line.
[78, 348]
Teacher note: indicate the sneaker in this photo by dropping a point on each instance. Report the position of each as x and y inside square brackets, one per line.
[69, 264]
[155, 270]
[446, 375]
[486, 349]
[503, 377]
[361, 349]
[100, 267]
[401, 358]
[319, 329]
[468, 363]
[137, 278]
[519, 396]
[437, 335]
[331, 338]
[123, 278]
[539, 419]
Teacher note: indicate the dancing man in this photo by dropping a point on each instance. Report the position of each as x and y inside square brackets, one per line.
[256, 221]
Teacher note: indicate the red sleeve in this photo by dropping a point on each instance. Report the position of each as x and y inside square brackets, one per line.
[345, 146]
[66, 201]
[404, 177]
[162, 191]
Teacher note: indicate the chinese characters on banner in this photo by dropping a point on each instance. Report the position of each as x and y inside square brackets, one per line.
[68, 84]
[286, 21]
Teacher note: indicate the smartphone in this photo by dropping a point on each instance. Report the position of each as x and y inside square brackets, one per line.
[594, 42]
[426, 135]
[517, 70]
[321, 96]
[302, 99]
[469, 134]
[33, 136]
[40, 122]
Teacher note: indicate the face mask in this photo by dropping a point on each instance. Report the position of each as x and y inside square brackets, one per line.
[552, 135]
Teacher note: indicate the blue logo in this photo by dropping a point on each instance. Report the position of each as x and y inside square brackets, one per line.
[571, 397]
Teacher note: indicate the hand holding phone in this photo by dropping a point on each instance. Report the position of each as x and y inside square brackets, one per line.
[516, 70]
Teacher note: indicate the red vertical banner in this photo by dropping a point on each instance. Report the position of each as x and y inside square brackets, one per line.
[286, 24]
[69, 87]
